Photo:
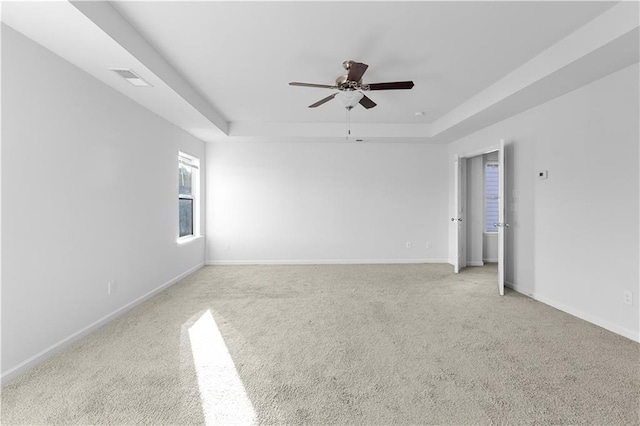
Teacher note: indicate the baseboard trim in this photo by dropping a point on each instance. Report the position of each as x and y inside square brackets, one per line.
[475, 263]
[322, 262]
[491, 260]
[614, 328]
[520, 290]
[47, 353]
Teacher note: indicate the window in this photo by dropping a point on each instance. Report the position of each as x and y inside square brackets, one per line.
[188, 196]
[491, 197]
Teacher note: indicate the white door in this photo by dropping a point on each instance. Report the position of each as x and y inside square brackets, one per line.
[457, 221]
[502, 225]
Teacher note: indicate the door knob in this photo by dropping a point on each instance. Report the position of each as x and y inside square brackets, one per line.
[453, 219]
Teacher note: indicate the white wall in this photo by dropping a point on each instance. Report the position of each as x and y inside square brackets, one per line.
[307, 202]
[475, 210]
[571, 243]
[490, 247]
[89, 189]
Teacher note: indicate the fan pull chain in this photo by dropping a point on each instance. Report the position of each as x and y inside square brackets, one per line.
[346, 123]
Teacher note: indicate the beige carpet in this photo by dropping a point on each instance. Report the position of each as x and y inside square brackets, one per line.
[341, 344]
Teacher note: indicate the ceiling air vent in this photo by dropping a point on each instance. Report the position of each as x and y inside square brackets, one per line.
[131, 77]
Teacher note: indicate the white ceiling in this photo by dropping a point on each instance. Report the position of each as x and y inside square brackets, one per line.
[234, 59]
[241, 55]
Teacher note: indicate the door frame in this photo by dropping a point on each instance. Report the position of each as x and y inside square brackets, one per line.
[457, 192]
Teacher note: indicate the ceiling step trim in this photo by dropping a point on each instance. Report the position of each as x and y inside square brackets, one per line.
[107, 18]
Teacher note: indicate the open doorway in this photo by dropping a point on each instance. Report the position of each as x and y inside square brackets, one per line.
[482, 204]
[461, 215]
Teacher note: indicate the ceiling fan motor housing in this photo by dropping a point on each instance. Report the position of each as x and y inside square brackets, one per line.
[345, 84]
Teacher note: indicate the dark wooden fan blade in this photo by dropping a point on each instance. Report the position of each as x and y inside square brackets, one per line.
[367, 103]
[322, 86]
[322, 101]
[396, 85]
[356, 71]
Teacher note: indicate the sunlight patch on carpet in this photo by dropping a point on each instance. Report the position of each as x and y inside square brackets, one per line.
[224, 398]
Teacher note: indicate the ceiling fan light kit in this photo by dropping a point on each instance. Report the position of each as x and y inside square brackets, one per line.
[349, 99]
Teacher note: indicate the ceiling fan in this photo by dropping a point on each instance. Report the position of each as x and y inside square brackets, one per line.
[350, 87]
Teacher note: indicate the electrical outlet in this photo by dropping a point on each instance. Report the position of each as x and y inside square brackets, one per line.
[111, 287]
[408, 244]
[427, 245]
[227, 247]
[628, 297]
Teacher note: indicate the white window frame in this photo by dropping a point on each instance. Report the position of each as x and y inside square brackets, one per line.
[194, 164]
[484, 195]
